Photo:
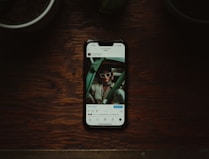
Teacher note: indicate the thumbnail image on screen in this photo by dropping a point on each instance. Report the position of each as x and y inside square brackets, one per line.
[105, 80]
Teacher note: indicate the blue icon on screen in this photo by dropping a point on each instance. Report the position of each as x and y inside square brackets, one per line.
[118, 106]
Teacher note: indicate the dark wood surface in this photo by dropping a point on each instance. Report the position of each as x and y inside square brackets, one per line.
[103, 154]
[41, 87]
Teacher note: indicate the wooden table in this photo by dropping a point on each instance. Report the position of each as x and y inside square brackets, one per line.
[41, 86]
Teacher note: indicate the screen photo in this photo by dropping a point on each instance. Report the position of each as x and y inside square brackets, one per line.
[108, 83]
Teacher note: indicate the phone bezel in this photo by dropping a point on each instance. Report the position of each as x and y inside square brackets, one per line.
[104, 43]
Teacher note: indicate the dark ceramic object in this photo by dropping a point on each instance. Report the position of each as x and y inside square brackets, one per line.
[39, 17]
[195, 11]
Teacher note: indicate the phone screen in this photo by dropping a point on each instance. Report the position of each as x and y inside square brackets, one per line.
[105, 84]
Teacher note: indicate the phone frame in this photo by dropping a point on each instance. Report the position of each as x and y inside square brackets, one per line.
[85, 70]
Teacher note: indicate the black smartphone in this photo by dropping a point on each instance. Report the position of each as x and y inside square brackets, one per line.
[105, 84]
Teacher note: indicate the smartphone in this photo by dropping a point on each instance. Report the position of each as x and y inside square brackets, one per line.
[105, 84]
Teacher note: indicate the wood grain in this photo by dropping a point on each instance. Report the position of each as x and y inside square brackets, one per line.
[41, 87]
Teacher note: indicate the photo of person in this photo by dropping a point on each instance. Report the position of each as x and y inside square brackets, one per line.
[108, 84]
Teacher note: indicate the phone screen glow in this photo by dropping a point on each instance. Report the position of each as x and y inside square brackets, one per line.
[105, 84]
